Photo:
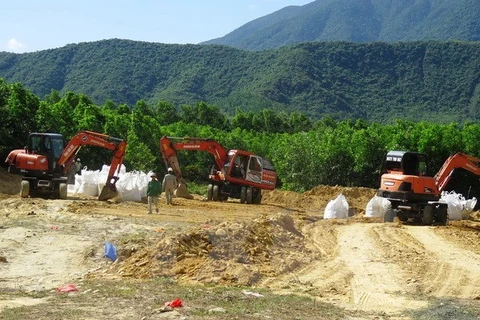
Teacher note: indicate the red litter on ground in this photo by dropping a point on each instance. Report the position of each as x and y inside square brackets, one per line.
[67, 288]
[175, 303]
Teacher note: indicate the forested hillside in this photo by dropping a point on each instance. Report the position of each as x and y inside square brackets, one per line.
[377, 81]
[360, 21]
[305, 154]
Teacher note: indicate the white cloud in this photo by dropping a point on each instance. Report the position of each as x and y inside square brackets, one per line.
[14, 45]
[252, 7]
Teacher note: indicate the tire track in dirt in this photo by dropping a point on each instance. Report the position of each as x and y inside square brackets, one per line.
[378, 283]
[452, 271]
[356, 270]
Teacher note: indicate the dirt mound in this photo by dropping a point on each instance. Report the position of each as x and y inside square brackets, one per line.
[229, 253]
[318, 197]
[9, 183]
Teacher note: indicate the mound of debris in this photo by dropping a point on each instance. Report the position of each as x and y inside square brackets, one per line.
[9, 183]
[228, 253]
[318, 197]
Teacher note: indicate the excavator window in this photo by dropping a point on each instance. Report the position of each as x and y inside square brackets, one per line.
[57, 147]
[255, 164]
[410, 164]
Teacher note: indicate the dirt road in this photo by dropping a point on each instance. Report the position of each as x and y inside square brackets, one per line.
[283, 244]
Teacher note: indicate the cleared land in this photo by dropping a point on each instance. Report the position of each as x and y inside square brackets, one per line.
[208, 253]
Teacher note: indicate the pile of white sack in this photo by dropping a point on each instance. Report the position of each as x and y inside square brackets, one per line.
[457, 204]
[458, 207]
[131, 186]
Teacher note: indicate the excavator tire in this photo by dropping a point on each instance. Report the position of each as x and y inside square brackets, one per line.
[441, 215]
[258, 197]
[402, 216]
[24, 189]
[108, 192]
[427, 217]
[216, 192]
[62, 191]
[210, 192]
[243, 194]
[249, 195]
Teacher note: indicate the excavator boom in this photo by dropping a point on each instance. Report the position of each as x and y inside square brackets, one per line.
[90, 138]
[458, 160]
[237, 173]
[170, 145]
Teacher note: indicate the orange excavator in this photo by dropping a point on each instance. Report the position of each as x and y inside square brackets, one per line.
[45, 161]
[237, 173]
[412, 193]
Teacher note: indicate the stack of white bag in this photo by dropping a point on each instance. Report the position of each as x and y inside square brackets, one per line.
[457, 204]
[337, 209]
[131, 186]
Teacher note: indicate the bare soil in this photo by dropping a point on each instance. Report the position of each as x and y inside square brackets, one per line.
[383, 270]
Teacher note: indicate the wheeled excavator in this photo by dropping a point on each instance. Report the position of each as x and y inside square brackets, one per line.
[236, 174]
[412, 193]
[45, 161]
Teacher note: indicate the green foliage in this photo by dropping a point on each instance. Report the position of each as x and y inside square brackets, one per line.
[305, 154]
[267, 90]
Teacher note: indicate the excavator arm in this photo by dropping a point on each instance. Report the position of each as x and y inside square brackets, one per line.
[458, 160]
[170, 145]
[90, 138]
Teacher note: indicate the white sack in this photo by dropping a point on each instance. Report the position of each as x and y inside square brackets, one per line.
[377, 207]
[337, 209]
[456, 202]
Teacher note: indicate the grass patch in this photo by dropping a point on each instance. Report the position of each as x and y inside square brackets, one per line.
[196, 188]
[448, 309]
[109, 299]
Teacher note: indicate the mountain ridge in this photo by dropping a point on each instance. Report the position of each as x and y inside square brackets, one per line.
[359, 21]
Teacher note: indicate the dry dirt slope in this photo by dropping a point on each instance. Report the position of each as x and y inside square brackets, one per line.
[283, 244]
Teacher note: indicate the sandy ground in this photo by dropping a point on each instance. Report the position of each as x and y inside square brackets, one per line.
[284, 244]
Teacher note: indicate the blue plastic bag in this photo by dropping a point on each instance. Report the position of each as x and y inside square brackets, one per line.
[110, 251]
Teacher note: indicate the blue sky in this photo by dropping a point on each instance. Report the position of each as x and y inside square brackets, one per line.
[33, 25]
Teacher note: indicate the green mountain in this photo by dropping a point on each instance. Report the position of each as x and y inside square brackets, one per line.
[377, 81]
[360, 21]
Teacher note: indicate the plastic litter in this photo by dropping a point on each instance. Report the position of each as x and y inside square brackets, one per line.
[175, 303]
[110, 251]
[67, 288]
[253, 294]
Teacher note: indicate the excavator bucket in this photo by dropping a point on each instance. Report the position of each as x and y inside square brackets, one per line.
[182, 190]
[108, 192]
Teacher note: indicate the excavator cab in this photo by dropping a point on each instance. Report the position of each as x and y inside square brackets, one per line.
[407, 163]
[47, 144]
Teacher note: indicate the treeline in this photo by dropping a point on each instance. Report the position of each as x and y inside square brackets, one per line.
[304, 153]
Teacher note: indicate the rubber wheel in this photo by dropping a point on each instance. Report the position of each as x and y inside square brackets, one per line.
[402, 216]
[427, 215]
[243, 194]
[441, 215]
[62, 191]
[258, 197]
[210, 192]
[24, 189]
[215, 193]
[249, 195]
